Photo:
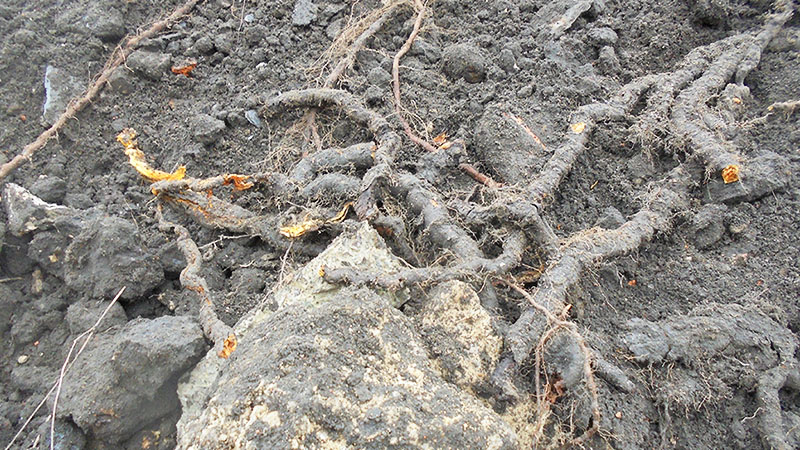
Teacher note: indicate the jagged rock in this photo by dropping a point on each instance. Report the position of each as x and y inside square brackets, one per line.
[708, 225]
[149, 65]
[207, 129]
[765, 173]
[333, 366]
[96, 254]
[27, 212]
[305, 12]
[125, 379]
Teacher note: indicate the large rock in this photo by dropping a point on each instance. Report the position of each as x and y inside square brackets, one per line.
[126, 378]
[92, 253]
[107, 255]
[332, 367]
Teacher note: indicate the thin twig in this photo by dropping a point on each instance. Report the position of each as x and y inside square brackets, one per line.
[485, 180]
[64, 369]
[526, 129]
[117, 58]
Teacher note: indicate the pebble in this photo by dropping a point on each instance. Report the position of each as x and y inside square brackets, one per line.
[104, 22]
[23, 359]
[149, 65]
[464, 61]
[49, 189]
[207, 129]
[607, 61]
[204, 45]
[250, 18]
[304, 13]
[121, 80]
[603, 36]
[252, 116]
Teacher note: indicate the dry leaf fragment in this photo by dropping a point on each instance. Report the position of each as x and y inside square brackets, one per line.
[299, 229]
[730, 174]
[228, 347]
[440, 139]
[578, 128]
[184, 70]
[341, 214]
[240, 182]
[137, 159]
[309, 224]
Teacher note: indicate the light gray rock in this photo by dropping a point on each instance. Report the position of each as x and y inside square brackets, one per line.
[459, 335]
[149, 65]
[59, 88]
[304, 12]
[206, 129]
[332, 367]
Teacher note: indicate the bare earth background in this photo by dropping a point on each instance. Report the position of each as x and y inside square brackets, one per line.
[692, 318]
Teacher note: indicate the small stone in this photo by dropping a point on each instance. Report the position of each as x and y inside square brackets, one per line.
[149, 65]
[707, 225]
[426, 51]
[607, 60]
[224, 43]
[252, 116]
[507, 61]
[23, 359]
[49, 189]
[207, 129]
[374, 95]
[204, 45]
[121, 80]
[464, 61]
[603, 36]
[59, 87]
[304, 13]
[104, 22]
[379, 77]
[249, 18]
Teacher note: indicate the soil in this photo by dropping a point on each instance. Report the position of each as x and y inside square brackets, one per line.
[687, 328]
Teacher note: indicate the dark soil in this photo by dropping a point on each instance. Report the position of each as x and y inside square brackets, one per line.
[691, 328]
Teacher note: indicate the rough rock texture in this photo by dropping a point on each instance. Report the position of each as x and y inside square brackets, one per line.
[107, 255]
[94, 253]
[464, 61]
[332, 367]
[349, 372]
[459, 335]
[127, 379]
[60, 87]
